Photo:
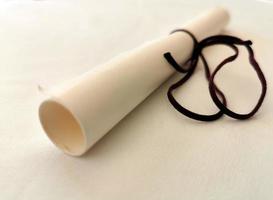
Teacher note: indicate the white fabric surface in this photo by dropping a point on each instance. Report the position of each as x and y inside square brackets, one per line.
[154, 153]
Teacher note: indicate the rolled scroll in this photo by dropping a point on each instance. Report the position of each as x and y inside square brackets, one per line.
[75, 118]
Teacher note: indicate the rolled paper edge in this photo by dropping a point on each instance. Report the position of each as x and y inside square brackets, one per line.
[73, 142]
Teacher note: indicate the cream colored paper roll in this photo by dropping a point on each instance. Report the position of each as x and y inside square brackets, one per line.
[75, 118]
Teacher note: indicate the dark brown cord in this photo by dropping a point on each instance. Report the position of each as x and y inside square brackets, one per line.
[216, 94]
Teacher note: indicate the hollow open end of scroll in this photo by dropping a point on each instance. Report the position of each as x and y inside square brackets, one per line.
[62, 127]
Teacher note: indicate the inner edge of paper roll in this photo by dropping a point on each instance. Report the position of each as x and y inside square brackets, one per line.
[62, 127]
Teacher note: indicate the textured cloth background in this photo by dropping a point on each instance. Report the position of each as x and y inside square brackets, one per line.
[154, 153]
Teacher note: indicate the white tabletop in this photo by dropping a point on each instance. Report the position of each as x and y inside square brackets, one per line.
[154, 153]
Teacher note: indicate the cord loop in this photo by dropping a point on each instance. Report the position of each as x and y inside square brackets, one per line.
[216, 94]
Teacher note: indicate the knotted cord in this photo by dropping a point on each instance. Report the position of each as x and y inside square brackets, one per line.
[216, 94]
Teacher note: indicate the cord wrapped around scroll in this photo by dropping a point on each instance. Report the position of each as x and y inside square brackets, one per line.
[77, 117]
